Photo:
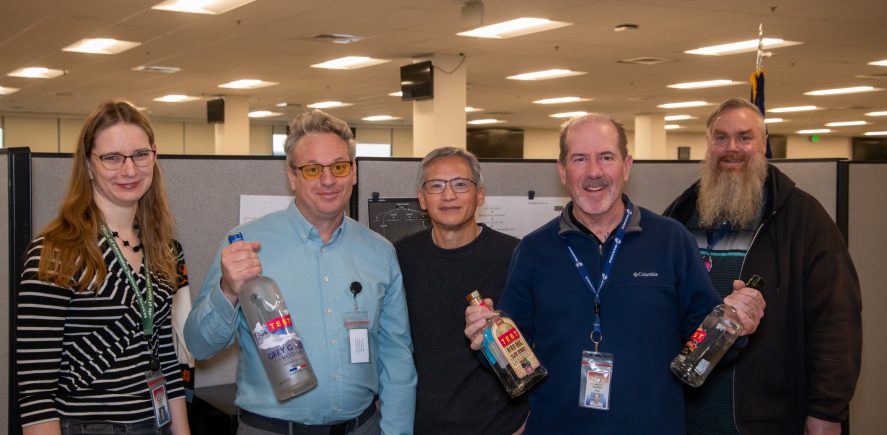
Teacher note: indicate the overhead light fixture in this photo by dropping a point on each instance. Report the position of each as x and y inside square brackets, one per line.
[247, 84]
[350, 62]
[101, 46]
[209, 7]
[678, 117]
[157, 69]
[705, 84]
[741, 47]
[839, 91]
[36, 72]
[516, 27]
[845, 123]
[377, 118]
[469, 109]
[485, 121]
[6, 91]
[673, 126]
[561, 100]
[568, 114]
[815, 131]
[875, 133]
[773, 120]
[546, 74]
[396, 94]
[263, 114]
[879, 63]
[328, 104]
[882, 113]
[683, 104]
[792, 109]
[176, 98]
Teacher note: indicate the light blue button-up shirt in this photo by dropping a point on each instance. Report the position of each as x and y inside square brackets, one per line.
[315, 280]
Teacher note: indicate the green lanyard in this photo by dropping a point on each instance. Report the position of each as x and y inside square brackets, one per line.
[146, 309]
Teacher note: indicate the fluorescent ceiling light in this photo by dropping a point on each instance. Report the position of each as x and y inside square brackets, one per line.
[380, 118]
[741, 47]
[683, 104]
[469, 109]
[349, 62]
[485, 121]
[839, 91]
[672, 126]
[705, 84]
[678, 117]
[568, 114]
[773, 120]
[328, 104]
[157, 69]
[36, 72]
[879, 63]
[516, 27]
[210, 7]
[545, 75]
[875, 133]
[561, 100]
[101, 46]
[814, 131]
[396, 94]
[845, 123]
[176, 98]
[247, 84]
[792, 109]
[6, 91]
[263, 114]
[884, 113]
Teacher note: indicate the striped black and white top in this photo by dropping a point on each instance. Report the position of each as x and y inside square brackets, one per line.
[84, 355]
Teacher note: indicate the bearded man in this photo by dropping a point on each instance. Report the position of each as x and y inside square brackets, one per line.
[799, 370]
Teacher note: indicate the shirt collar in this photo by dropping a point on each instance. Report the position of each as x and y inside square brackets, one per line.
[567, 224]
[305, 229]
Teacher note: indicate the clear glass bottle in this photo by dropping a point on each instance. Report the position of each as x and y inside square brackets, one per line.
[509, 355]
[710, 341]
[277, 341]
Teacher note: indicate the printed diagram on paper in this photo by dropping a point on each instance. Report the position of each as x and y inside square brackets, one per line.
[519, 215]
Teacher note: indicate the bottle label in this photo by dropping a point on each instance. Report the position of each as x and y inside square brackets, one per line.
[691, 344]
[279, 323]
[513, 346]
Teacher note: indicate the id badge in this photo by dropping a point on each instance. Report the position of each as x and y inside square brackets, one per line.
[357, 324]
[157, 389]
[594, 383]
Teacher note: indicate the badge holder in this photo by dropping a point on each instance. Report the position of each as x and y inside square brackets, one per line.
[594, 382]
[157, 388]
[357, 324]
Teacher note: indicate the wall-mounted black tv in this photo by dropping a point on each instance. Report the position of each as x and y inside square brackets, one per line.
[417, 81]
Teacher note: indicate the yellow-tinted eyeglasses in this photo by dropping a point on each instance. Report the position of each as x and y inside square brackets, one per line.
[315, 171]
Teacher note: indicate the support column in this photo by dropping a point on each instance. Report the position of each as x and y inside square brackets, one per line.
[232, 136]
[649, 137]
[440, 121]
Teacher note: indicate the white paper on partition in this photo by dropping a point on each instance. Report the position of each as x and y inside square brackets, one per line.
[519, 215]
[256, 206]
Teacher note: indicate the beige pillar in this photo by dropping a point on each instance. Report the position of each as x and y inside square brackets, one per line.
[440, 121]
[232, 136]
[649, 137]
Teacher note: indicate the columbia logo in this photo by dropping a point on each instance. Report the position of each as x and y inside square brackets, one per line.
[645, 274]
[578, 264]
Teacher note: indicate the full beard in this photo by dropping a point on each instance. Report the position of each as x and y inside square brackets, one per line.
[735, 197]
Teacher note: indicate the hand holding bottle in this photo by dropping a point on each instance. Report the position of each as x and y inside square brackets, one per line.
[475, 320]
[749, 305]
[240, 262]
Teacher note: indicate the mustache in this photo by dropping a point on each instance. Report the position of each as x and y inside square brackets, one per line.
[594, 183]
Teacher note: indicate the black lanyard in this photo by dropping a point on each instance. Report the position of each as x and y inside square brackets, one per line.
[596, 334]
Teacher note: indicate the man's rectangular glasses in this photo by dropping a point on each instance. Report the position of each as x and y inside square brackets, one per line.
[115, 161]
[315, 171]
[459, 185]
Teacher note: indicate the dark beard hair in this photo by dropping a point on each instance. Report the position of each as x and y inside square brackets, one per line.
[731, 196]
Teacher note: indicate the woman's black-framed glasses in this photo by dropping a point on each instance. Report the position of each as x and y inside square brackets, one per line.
[315, 171]
[459, 185]
[115, 161]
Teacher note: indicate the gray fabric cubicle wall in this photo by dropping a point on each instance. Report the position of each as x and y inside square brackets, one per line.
[5, 286]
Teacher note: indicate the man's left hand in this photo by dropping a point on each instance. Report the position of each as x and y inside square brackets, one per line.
[815, 426]
[749, 304]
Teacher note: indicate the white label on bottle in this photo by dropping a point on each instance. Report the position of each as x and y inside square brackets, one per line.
[360, 350]
[702, 366]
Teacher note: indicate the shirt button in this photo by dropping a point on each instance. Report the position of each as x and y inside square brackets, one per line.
[333, 341]
[322, 249]
[329, 310]
[326, 279]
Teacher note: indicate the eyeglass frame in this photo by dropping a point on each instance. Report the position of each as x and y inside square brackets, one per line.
[449, 183]
[104, 163]
[322, 167]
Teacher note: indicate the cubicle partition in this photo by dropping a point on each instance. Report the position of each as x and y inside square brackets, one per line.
[5, 285]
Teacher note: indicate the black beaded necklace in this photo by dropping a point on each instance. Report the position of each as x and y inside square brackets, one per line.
[126, 243]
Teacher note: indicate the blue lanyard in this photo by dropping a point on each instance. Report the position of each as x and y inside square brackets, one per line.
[713, 238]
[597, 335]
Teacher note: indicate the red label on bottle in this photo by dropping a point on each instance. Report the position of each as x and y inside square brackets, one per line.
[279, 323]
[509, 337]
[698, 336]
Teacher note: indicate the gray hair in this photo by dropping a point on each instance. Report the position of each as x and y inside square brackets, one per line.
[592, 117]
[317, 121]
[440, 153]
[734, 104]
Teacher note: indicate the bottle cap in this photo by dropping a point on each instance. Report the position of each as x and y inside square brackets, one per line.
[472, 296]
[234, 236]
[755, 282]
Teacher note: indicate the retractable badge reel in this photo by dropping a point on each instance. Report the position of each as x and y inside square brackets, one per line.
[357, 323]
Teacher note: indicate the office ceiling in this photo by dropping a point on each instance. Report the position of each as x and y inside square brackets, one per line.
[273, 40]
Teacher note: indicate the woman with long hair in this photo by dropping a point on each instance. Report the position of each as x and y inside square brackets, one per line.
[95, 348]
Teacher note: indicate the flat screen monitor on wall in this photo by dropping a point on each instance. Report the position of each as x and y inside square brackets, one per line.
[417, 81]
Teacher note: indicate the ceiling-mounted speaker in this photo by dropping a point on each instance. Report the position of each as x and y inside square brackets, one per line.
[215, 111]
[472, 14]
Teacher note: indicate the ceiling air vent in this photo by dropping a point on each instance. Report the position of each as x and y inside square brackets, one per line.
[157, 69]
[337, 38]
[646, 60]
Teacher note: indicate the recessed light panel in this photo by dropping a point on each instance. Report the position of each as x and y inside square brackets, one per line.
[209, 7]
[176, 98]
[792, 109]
[881, 113]
[469, 109]
[705, 84]
[815, 131]
[377, 118]
[546, 74]
[845, 123]
[741, 47]
[328, 104]
[516, 27]
[773, 120]
[101, 46]
[247, 84]
[6, 91]
[396, 94]
[561, 100]
[485, 121]
[875, 133]
[157, 69]
[840, 91]
[683, 104]
[678, 117]
[568, 114]
[36, 72]
[672, 126]
[350, 62]
[879, 63]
